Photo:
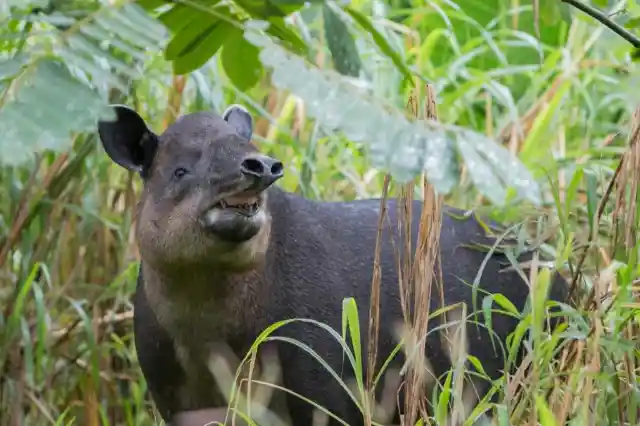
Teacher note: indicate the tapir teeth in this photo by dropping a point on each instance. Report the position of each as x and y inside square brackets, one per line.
[250, 206]
[239, 201]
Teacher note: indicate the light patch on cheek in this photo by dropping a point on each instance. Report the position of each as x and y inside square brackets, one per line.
[257, 246]
[260, 218]
[168, 229]
[212, 216]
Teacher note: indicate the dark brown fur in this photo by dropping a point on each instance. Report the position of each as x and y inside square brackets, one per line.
[197, 292]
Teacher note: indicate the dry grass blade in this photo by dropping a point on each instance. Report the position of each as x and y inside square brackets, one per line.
[425, 261]
[175, 100]
[374, 305]
[457, 347]
[627, 194]
[624, 213]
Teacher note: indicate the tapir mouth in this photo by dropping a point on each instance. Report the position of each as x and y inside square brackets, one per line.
[235, 211]
[236, 216]
[246, 203]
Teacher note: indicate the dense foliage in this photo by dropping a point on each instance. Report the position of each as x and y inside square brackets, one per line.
[535, 102]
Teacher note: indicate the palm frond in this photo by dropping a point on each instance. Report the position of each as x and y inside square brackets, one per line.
[62, 82]
[394, 143]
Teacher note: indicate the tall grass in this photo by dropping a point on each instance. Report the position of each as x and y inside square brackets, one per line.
[564, 104]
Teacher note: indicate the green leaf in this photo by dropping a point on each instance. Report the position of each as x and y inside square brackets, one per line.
[150, 4]
[572, 191]
[633, 23]
[475, 361]
[505, 304]
[565, 12]
[341, 44]
[278, 28]
[544, 412]
[209, 43]
[289, 4]
[550, 12]
[350, 318]
[48, 90]
[493, 169]
[190, 36]
[176, 18]
[42, 115]
[442, 408]
[591, 182]
[381, 41]
[10, 68]
[261, 9]
[394, 144]
[193, 27]
[537, 144]
[182, 15]
[240, 61]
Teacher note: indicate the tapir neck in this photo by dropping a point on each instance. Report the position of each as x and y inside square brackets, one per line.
[222, 301]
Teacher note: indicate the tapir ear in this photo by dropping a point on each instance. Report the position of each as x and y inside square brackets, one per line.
[128, 140]
[240, 119]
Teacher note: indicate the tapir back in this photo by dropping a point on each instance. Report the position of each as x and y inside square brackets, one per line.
[324, 252]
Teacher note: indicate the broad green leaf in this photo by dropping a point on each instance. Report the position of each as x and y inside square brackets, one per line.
[41, 114]
[381, 42]
[10, 68]
[341, 43]
[177, 17]
[260, 9]
[58, 85]
[240, 61]
[188, 38]
[394, 144]
[290, 6]
[279, 29]
[150, 4]
[208, 44]
[493, 169]
[182, 14]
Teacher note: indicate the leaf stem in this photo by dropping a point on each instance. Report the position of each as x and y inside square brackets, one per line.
[605, 20]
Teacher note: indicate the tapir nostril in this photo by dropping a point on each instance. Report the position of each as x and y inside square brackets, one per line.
[253, 166]
[276, 168]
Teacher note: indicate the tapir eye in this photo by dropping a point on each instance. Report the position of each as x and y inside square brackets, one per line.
[180, 172]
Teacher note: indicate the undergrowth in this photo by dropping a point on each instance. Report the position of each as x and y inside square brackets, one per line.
[563, 102]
